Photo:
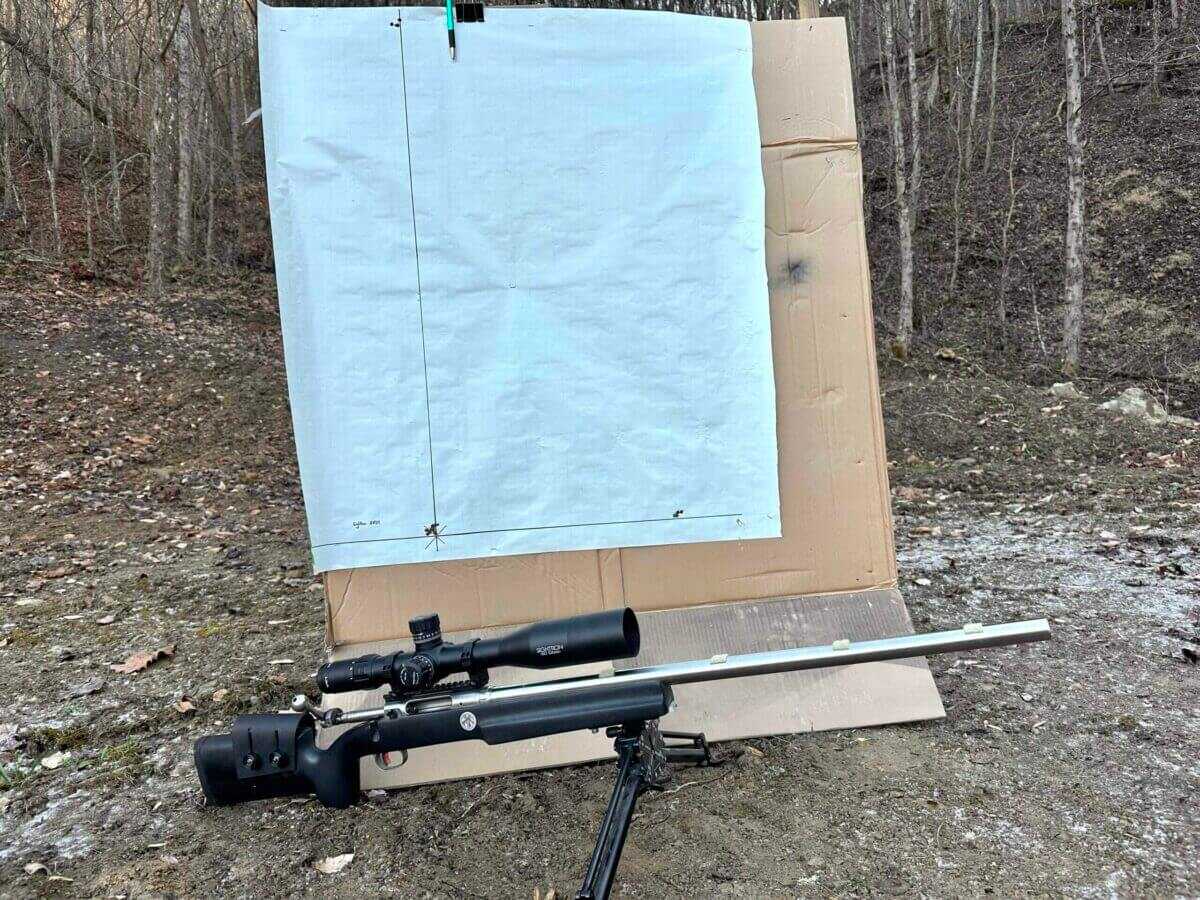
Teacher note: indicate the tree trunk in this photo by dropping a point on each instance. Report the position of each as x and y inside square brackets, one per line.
[1098, 28]
[187, 88]
[235, 166]
[156, 250]
[1005, 254]
[220, 113]
[940, 35]
[914, 95]
[991, 123]
[904, 323]
[51, 150]
[956, 207]
[114, 160]
[1073, 276]
[976, 78]
[914, 187]
[1155, 41]
[8, 200]
[210, 220]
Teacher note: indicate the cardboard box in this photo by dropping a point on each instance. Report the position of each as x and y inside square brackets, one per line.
[835, 566]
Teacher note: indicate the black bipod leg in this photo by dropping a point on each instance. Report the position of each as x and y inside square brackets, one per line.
[640, 763]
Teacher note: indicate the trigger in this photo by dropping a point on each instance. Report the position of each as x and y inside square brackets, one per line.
[391, 759]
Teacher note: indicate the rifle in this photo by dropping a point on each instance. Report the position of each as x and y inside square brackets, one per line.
[277, 755]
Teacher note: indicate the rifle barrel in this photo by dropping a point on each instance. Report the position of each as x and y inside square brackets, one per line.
[840, 653]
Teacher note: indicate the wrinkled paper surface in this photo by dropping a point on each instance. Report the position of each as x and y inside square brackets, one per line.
[523, 294]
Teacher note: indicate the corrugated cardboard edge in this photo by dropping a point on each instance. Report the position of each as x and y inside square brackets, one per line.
[794, 702]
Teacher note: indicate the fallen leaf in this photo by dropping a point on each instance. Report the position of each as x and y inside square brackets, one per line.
[36, 868]
[185, 707]
[139, 662]
[106, 620]
[54, 760]
[220, 694]
[331, 865]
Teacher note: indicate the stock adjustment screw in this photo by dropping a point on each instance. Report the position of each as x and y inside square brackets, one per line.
[250, 761]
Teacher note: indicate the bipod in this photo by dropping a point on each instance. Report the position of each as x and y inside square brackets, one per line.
[643, 764]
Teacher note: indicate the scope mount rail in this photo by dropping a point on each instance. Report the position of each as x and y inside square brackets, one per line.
[266, 756]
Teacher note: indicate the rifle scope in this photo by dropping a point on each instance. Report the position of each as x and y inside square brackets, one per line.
[545, 645]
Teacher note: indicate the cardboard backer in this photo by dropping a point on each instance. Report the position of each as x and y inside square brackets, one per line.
[832, 574]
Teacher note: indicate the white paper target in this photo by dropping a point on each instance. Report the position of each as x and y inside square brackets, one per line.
[523, 293]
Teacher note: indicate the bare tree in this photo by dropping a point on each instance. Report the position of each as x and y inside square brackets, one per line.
[991, 122]
[186, 87]
[52, 136]
[156, 250]
[1005, 251]
[956, 204]
[976, 77]
[1073, 275]
[904, 322]
[9, 200]
[1156, 45]
[914, 95]
[1098, 30]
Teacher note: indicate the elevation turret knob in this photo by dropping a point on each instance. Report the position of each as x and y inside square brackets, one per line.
[425, 630]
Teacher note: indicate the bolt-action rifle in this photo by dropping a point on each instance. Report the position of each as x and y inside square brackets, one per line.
[277, 755]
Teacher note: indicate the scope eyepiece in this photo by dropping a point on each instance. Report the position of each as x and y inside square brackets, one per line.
[358, 674]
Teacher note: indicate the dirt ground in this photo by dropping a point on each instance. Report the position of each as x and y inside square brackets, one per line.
[149, 501]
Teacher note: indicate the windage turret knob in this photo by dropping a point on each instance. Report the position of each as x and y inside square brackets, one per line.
[425, 630]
